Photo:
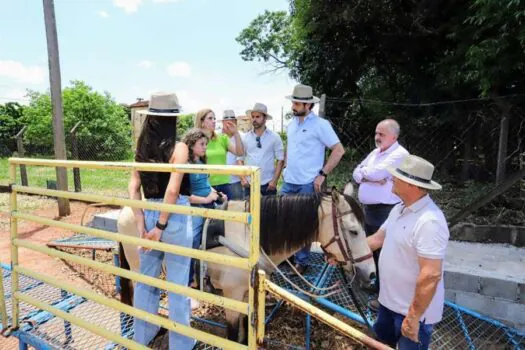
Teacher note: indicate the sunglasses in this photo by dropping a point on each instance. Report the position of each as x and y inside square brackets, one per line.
[258, 139]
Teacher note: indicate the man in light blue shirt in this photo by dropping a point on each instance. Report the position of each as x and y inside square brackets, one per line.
[308, 137]
[263, 148]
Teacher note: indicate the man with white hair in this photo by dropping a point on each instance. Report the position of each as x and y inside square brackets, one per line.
[375, 182]
[414, 240]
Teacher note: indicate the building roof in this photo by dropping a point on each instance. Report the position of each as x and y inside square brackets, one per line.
[140, 104]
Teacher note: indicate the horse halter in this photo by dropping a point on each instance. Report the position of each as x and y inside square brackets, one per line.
[344, 247]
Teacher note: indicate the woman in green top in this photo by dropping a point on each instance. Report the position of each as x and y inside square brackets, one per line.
[218, 146]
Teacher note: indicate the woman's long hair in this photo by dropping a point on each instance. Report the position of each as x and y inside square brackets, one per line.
[190, 139]
[155, 145]
[199, 119]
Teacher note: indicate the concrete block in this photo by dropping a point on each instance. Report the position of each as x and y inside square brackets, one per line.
[450, 295]
[461, 281]
[504, 310]
[521, 293]
[499, 288]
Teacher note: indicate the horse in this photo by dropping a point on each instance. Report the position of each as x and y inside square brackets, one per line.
[287, 224]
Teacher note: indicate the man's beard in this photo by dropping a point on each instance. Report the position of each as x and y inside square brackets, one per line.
[256, 125]
[299, 114]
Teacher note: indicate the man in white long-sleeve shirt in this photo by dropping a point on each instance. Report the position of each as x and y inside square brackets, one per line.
[375, 182]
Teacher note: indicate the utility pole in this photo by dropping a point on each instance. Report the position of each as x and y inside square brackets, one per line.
[56, 101]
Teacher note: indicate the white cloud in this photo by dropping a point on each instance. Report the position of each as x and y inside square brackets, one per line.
[164, 1]
[103, 14]
[16, 95]
[179, 69]
[23, 74]
[129, 6]
[145, 64]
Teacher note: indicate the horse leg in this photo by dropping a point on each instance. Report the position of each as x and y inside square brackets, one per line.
[126, 286]
[233, 317]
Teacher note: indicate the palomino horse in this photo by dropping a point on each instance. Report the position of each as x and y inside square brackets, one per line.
[288, 223]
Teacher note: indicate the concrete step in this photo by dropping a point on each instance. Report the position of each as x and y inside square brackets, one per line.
[487, 278]
[105, 221]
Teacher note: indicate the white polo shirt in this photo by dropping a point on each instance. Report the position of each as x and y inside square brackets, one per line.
[374, 168]
[419, 230]
[271, 149]
[307, 142]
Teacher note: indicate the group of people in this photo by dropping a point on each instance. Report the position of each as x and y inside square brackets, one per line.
[400, 216]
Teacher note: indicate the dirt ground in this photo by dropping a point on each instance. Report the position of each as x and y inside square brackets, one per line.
[288, 326]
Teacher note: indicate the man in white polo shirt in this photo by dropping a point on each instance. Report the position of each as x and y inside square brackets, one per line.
[414, 240]
[375, 183]
[263, 148]
[308, 136]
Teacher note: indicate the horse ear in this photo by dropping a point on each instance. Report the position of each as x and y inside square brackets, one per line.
[349, 190]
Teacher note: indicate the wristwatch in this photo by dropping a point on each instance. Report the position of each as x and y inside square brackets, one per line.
[160, 226]
[322, 173]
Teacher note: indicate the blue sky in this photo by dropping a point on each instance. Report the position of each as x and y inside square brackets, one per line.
[131, 48]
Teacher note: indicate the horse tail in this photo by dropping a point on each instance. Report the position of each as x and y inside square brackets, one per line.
[126, 286]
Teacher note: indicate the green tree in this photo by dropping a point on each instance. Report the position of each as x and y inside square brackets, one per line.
[184, 123]
[104, 132]
[10, 124]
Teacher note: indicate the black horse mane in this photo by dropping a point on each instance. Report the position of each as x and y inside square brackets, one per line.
[289, 221]
[292, 221]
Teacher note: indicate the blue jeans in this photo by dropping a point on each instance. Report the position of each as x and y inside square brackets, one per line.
[197, 224]
[303, 255]
[388, 330]
[237, 191]
[146, 297]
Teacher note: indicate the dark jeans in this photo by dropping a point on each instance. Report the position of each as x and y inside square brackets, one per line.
[264, 191]
[224, 188]
[375, 216]
[388, 330]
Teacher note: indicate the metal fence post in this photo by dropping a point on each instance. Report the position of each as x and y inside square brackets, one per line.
[74, 155]
[21, 152]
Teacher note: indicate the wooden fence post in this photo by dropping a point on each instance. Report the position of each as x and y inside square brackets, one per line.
[74, 155]
[21, 152]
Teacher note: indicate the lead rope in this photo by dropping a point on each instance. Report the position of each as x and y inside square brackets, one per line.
[310, 294]
[356, 302]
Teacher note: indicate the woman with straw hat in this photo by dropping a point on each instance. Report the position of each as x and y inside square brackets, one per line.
[156, 144]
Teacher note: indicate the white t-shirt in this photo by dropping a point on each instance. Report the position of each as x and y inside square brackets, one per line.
[419, 230]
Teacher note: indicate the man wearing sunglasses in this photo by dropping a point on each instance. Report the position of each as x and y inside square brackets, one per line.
[263, 148]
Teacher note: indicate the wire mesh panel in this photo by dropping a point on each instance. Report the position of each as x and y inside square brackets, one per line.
[460, 328]
[312, 274]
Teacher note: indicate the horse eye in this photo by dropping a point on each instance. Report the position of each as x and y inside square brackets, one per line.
[355, 233]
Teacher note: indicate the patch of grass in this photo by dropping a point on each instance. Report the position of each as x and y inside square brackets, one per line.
[108, 182]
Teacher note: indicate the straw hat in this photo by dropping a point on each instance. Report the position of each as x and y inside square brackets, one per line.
[229, 114]
[303, 93]
[164, 104]
[261, 108]
[416, 171]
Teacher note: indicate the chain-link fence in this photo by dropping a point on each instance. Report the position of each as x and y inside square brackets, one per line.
[473, 144]
[78, 146]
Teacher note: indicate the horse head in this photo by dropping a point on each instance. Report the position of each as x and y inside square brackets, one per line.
[342, 235]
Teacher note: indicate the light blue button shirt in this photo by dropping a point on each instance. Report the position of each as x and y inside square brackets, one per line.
[307, 142]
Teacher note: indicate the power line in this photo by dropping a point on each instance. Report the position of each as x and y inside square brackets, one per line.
[335, 99]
